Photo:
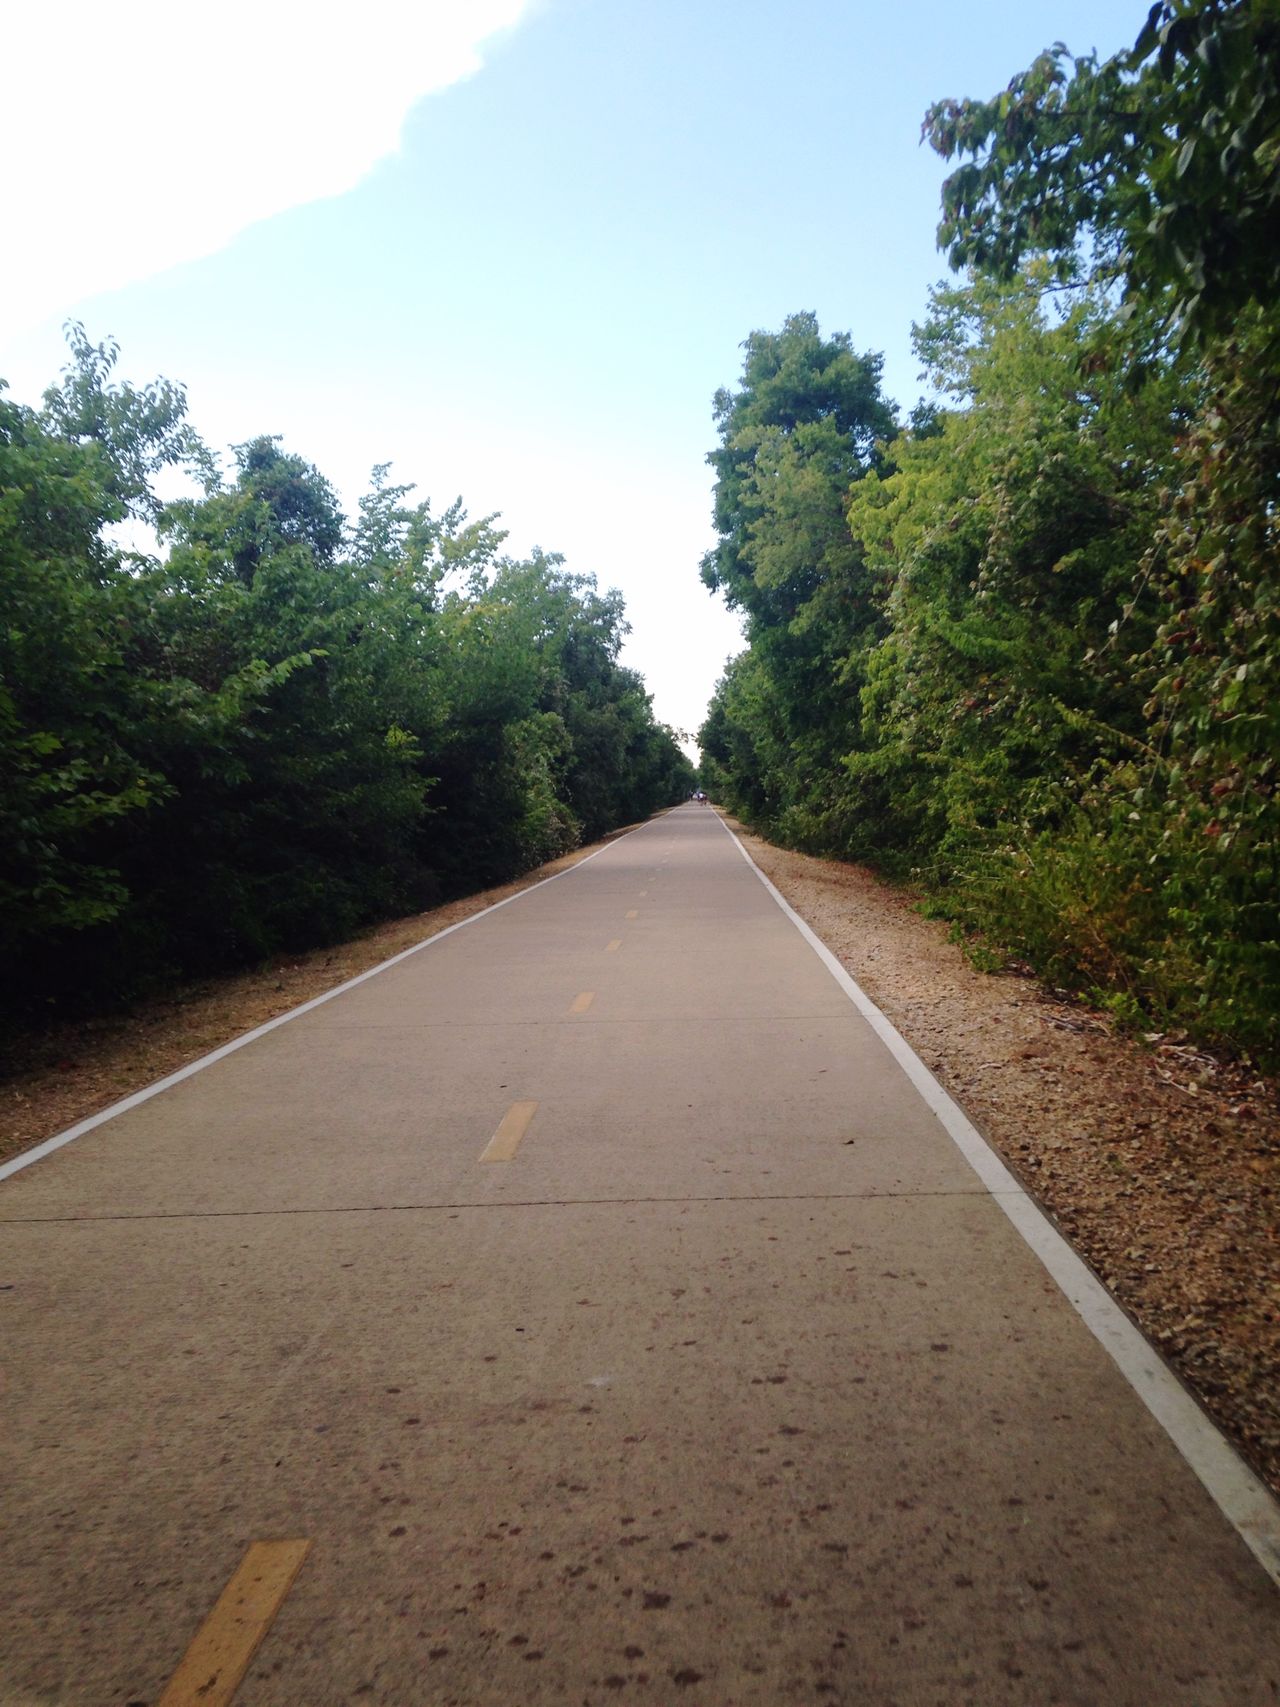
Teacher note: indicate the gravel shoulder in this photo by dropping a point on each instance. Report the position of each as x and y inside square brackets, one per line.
[1159, 1163]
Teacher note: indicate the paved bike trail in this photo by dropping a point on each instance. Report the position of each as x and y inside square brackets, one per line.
[598, 1296]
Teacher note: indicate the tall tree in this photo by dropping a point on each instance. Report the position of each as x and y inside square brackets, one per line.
[801, 430]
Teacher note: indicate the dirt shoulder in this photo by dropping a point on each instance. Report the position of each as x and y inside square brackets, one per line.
[64, 1075]
[1160, 1164]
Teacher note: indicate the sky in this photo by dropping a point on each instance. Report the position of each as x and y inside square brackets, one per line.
[511, 247]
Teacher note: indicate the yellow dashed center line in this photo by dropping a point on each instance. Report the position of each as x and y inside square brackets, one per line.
[633, 914]
[511, 1129]
[226, 1642]
[581, 1003]
[612, 947]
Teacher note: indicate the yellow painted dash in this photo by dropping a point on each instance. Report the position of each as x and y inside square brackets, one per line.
[612, 947]
[633, 914]
[214, 1664]
[511, 1129]
[583, 1002]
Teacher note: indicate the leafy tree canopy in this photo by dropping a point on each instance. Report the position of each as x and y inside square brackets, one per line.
[808, 414]
[1166, 157]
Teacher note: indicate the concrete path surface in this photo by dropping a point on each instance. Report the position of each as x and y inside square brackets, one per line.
[597, 1296]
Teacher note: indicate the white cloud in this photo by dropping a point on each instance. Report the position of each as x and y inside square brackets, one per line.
[152, 131]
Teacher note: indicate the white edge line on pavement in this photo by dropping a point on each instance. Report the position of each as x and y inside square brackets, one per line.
[39, 1151]
[1242, 1498]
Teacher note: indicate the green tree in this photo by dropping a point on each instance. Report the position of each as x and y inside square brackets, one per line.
[68, 703]
[1165, 159]
[802, 429]
[73, 711]
[1006, 537]
[808, 415]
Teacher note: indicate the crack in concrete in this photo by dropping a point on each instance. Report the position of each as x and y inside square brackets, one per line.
[975, 1191]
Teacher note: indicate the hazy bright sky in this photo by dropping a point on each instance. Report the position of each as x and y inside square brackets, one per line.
[510, 246]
